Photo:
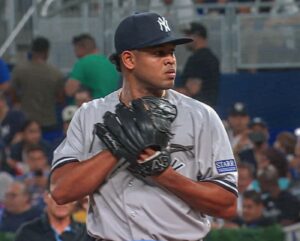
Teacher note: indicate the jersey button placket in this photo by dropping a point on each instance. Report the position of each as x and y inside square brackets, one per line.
[131, 207]
[132, 214]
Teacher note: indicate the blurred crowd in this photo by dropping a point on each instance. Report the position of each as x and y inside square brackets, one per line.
[37, 103]
[268, 173]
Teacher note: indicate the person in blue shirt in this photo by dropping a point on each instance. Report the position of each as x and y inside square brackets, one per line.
[4, 75]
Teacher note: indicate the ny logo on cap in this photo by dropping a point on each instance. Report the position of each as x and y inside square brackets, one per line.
[163, 23]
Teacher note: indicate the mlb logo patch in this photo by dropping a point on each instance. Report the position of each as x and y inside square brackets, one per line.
[223, 166]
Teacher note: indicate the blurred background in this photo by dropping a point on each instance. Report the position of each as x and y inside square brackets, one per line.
[257, 43]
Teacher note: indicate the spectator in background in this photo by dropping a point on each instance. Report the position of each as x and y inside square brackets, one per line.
[294, 171]
[17, 208]
[31, 135]
[286, 142]
[263, 8]
[253, 216]
[82, 96]
[277, 159]
[38, 86]
[218, 10]
[11, 122]
[4, 76]
[294, 165]
[284, 7]
[3, 158]
[56, 224]
[280, 205]
[237, 126]
[37, 175]
[67, 115]
[199, 9]
[247, 6]
[201, 72]
[246, 177]
[92, 70]
[259, 136]
[246, 182]
[5, 180]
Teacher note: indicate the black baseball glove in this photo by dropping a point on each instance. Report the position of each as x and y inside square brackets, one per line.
[130, 130]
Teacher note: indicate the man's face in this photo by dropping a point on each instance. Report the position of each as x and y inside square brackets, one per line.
[258, 134]
[32, 134]
[58, 211]
[79, 51]
[251, 210]
[15, 199]
[155, 67]
[238, 123]
[36, 160]
[244, 179]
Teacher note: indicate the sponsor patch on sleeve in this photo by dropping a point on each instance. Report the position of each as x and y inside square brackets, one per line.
[226, 166]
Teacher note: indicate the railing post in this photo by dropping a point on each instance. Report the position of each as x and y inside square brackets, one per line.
[10, 17]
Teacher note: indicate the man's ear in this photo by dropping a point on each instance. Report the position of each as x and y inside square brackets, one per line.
[128, 59]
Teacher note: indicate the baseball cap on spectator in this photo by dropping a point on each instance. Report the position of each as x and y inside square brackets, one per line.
[238, 109]
[146, 29]
[258, 121]
[197, 29]
[68, 112]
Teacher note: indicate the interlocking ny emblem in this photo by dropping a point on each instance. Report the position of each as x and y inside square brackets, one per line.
[163, 23]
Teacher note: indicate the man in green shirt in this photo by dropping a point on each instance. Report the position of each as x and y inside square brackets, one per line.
[92, 70]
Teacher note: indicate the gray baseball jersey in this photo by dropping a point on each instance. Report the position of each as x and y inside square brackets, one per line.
[128, 208]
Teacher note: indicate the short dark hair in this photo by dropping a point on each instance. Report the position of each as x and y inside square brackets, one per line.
[35, 147]
[253, 195]
[27, 123]
[84, 89]
[115, 59]
[247, 166]
[40, 45]
[268, 174]
[84, 40]
[197, 29]
[288, 141]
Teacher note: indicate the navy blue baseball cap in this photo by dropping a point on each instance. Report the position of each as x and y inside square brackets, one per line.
[141, 30]
[238, 109]
[258, 121]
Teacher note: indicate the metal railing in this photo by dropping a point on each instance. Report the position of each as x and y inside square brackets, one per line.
[292, 232]
[18, 27]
